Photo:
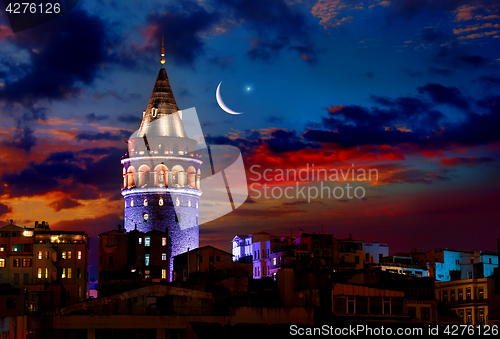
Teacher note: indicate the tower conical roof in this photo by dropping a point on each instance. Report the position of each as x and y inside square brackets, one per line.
[162, 117]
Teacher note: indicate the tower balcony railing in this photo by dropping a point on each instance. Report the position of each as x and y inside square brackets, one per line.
[146, 152]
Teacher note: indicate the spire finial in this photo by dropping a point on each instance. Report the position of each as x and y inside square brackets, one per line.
[162, 60]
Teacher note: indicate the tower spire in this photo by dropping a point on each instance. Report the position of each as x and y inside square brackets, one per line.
[162, 60]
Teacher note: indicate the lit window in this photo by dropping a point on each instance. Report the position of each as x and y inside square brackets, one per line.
[177, 202]
[196, 205]
[145, 202]
[39, 254]
[164, 274]
[79, 256]
[146, 259]
[164, 241]
[131, 203]
[146, 274]
[147, 241]
[46, 272]
[2, 262]
[39, 273]
[140, 241]
[63, 275]
[2, 247]
[69, 254]
[47, 255]
[79, 291]
[145, 217]
[63, 255]
[189, 203]
[160, 202]
[26, 262]
[164, 256]
[69, 273]
[16, 262]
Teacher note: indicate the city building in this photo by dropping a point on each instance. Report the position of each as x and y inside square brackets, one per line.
[161, 173]
[36, 260]
[402, 263]
[131, 257]
[467, 298]
[208, 260]
[374, 252]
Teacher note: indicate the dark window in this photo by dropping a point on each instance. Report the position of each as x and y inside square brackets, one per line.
[16, 262]
[201, 259]
[425, 313]
[27, 247]
[412, 312]
[375, 305]
[387, 305]
[350, 304]
[26, 278]
[16, 278]
[361, 305]
[356, 259]
[468, 293]
[78, 272]
[481, 293]
[110, 260]
[217, 258]
[11, 303]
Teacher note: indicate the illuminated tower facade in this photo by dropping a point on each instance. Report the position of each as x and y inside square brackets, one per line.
[161, 173]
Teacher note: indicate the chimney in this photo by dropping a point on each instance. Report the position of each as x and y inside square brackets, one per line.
[36, 224]
[43, 224]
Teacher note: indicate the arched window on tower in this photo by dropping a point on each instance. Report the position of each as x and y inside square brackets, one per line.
[124, 179]
[144, 176]
[130, 177]
[178, 176]
[191, 176]
[198, 180]
[161, 176]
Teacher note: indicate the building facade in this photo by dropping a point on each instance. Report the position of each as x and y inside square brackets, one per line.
[161, 173]
[39, 259]
[130, 257]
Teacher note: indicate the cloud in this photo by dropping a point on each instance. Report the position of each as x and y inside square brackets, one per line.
[87, 174]
[276, 25]
[92, 117]
[488, 81]
[4, 209]
[439, 71]
[110, 136]
[182, 26]
[65, 54]
[468, 161]
[23, 139]
[411, 73]
[64, 203]
[445, 95]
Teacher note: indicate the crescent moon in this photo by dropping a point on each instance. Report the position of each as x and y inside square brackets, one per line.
[222, 104]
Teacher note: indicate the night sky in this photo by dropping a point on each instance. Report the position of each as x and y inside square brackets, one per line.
[407, 87]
